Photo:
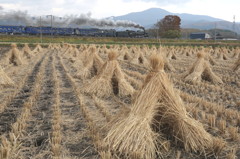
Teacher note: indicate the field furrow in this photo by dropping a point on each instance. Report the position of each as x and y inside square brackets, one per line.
[76, 138]
[14, 103]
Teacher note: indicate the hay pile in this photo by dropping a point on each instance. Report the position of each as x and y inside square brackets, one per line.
[124, 55]
[54, 47]
[71, 53]
[109, 80]
[67, 50]
[38, 49]
[104, 49]
[91, 63]
[50, 46]
[157, 111]
[222, 54]
[236, 52]
[236, 66]
[4, 79]
[201, 70]
[207, 55]
[167, 65]
[209, 58]
[26, 51]
[83, 47]
[12, 57]
[75, 52]
[138, 57]
[163, 52]
[171, 56]
[64, 48]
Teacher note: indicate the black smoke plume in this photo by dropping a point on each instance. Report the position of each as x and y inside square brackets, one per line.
[24, 19]
[85, 19]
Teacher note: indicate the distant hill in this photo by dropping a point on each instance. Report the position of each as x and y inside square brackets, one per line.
[149, 17]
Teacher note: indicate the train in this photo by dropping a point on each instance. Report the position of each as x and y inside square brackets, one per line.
[96, 32]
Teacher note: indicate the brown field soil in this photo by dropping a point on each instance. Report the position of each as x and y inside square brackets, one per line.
[46, 114]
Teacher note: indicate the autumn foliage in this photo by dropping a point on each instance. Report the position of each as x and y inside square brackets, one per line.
[169, 26]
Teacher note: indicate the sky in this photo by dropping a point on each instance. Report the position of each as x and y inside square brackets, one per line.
[223, 9]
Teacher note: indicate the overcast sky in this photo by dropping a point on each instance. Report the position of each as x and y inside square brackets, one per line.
[224, 9]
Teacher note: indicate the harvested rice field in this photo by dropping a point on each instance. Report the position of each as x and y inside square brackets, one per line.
[66, 101]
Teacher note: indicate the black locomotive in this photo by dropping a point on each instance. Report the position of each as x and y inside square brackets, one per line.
[96, 32]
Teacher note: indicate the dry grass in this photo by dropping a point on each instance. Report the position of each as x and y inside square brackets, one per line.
[201, 70]
[12, 57]
[38, 49]
[149, 122]
[4, 79]
[156, 106]
[133, 133]
[236, 66]
[91, 63]
[112, 78]
[26, 51]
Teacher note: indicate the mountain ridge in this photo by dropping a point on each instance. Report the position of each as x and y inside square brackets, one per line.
[149, 17]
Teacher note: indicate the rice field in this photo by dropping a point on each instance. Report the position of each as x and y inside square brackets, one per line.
[68, 101]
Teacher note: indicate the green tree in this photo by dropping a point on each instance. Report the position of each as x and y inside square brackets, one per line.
[169, 27]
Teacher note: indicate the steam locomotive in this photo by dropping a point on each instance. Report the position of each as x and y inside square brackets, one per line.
[96, 32]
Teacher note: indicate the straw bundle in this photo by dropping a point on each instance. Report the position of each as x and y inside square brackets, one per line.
[236, 52]
[139, 58]
[50, 46]
[54, 47]
[104, 49]
[188, 53]
[172, 115]
[71, 53]
[91, 64]
[210, 59]
[167, 64]
[109, 80]
[236, 55]
[67, 50]
[216, 52]
[171, 56]
[4, 79]
[222, 56]
[207, 56]
[74, 52]
[163, 52]
[124, 55]
[124, 48]
[27, 51]
[38, 49]
[132, 133]
[83, 47]
[64, 48]
[157, 107]
[236, 66]
[13, 56]
[201, 70]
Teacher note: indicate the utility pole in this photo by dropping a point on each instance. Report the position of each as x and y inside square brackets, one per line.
[51, 26]
[157, 32]
[41, 29]
[215, 32]
[234, 25]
